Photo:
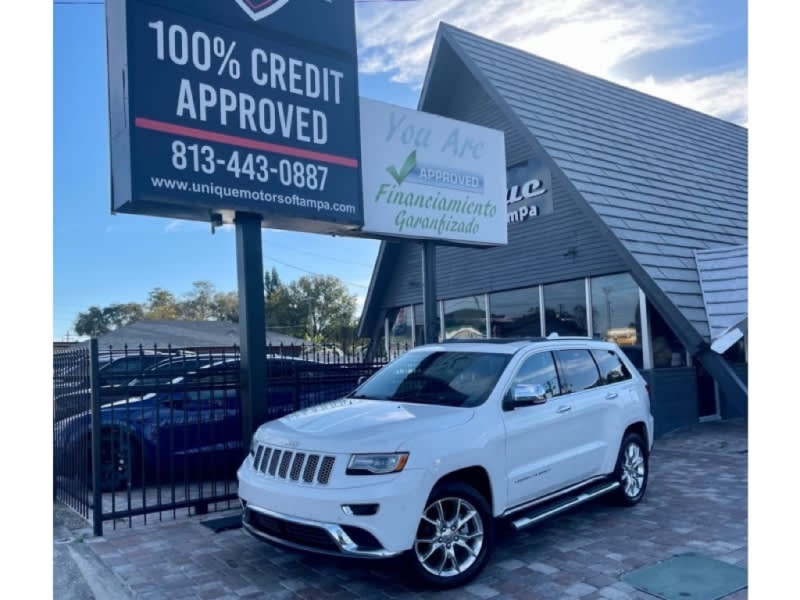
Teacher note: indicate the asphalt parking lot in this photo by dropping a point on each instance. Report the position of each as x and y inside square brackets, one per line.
[696, 502]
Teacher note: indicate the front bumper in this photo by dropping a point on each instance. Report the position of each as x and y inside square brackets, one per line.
[304, 534]
[310, 516]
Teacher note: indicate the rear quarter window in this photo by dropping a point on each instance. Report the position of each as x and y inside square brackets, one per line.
[577, 371]
[612, 369]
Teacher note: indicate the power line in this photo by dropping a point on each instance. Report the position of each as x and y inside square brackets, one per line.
[312, 272]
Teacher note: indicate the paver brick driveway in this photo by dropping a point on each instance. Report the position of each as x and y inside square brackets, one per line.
[696, 502]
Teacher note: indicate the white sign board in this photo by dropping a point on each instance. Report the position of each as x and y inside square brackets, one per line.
[429, 177]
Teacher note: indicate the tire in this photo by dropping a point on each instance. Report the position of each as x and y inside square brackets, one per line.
[632, 470]
[445, 555]
[119, 460]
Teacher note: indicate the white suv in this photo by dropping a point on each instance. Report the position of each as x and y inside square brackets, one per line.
[426, 454]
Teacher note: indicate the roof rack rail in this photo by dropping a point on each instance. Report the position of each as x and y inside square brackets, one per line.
[555, 336]
[509, 340]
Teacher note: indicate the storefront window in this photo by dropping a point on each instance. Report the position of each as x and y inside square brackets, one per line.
[465, 318]
[667, 349]
[515, 313]
[615, 313]
[400, 331]
[565, 308]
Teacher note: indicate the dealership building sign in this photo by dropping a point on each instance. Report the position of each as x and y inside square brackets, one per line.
[429, 177]
[529, 191]
[218, 106]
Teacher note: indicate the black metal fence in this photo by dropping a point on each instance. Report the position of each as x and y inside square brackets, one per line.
[157, 431]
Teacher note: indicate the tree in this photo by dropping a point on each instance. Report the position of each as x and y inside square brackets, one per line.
[199, 303]
[271, 282]
[324, 305]
[225, 306]
[119, 315]
[281, 313]
[92, 323]
[162, 304]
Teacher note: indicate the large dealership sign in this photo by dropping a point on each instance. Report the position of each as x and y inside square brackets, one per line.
[428, 177]
[219, 106]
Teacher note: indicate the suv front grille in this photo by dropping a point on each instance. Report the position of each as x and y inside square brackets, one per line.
[293, 466]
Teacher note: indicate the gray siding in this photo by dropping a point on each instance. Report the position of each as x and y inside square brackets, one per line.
[673, 398]
[723, 279]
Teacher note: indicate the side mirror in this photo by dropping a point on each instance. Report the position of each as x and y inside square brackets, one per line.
[525, 394]
[361, 379]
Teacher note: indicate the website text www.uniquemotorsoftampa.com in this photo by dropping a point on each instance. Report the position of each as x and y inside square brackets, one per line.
[224, 191]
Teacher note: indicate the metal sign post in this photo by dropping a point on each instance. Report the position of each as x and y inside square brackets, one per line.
[429, 291]
[252, 325]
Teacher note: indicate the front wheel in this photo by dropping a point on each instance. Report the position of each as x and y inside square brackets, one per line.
[632, 470]
[455, 536]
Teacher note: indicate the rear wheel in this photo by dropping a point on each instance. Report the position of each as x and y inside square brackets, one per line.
[455, 536]
[632, 470]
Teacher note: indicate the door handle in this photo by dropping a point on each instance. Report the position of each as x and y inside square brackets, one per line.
[563, 409]
[611, 396]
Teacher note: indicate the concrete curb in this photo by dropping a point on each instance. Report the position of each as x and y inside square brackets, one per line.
[78, 573]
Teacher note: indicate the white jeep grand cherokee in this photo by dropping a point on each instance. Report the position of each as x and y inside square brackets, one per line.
[426, 454]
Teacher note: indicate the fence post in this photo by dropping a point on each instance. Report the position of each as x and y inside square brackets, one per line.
[94, 384]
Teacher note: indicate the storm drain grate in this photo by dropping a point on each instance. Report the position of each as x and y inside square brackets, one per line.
[688, 577]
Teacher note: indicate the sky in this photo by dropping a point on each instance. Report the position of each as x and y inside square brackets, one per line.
[693, 52]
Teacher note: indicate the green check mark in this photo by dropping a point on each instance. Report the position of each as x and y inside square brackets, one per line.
[408, 166]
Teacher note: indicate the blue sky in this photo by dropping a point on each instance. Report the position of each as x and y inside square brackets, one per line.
[690, 52]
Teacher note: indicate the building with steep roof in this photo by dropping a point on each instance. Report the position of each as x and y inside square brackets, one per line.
[640, 238]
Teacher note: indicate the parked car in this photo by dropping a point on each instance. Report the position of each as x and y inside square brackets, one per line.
[191, 427]
[71, 383]
[424, 456]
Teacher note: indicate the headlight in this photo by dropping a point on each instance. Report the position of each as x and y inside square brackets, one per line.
[377, 464]
[253, 445]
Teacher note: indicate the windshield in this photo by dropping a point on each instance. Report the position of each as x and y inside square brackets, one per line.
[448, 378]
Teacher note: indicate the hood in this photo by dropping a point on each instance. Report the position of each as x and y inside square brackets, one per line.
[356, 425]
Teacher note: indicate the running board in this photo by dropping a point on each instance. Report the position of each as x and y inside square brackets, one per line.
[558, 506]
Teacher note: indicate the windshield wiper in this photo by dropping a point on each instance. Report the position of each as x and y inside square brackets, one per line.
[367, 397]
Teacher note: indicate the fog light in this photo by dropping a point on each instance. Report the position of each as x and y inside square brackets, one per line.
[360, 510]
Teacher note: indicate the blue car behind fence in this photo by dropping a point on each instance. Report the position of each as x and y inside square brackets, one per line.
[189, 427]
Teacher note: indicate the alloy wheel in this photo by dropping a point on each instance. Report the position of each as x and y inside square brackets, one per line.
[633, 470]
[449, 537]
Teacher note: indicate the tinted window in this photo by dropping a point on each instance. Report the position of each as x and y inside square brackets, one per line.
[434, 377]
[516, 313]
[539, 370]
[465, 318]
[577, 370]
[213, 390]
[611, 367]
[565, 308]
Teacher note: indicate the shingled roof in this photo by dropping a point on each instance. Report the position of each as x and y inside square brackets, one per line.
[178, 334]
[723, 279]
[667, 181]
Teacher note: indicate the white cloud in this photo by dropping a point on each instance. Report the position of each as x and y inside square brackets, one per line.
[174, 225]
[723, 95]
[593, 36]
